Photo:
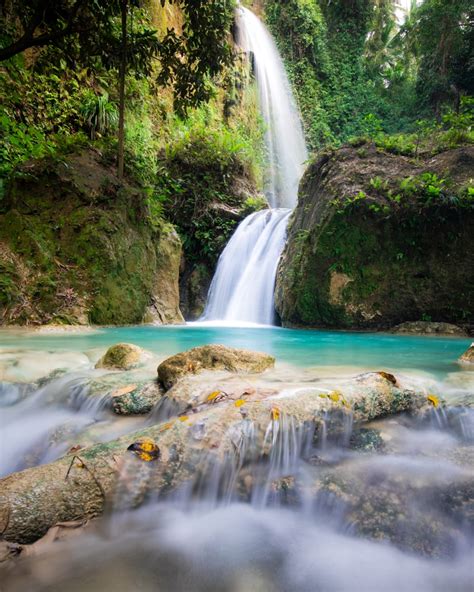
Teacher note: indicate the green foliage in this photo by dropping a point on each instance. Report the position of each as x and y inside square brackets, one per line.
[427, 187]
[202, 170]
[100, 114]
[191, 59]
[440, 33]
[357, 72]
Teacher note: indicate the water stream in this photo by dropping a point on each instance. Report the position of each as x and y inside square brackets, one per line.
[303, 508]
[242, 287]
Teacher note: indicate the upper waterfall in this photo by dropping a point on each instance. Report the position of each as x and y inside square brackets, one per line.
[243, 285]
[284, 136]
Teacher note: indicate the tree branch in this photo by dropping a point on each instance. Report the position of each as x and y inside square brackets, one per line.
[28, 39]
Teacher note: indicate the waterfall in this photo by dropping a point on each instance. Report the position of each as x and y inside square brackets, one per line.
[242, 287]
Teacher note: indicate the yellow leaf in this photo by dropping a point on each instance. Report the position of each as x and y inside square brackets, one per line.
[434, 400]
[213, 395]
[323, 396]
[239, 403]
[275, 413]
[335, 396]
[183, 418]
[146, 449]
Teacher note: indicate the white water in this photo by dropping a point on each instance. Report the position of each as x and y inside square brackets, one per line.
[242, 288]
[284, 133]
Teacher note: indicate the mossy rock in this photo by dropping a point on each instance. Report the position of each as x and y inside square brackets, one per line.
[429, 328]
[468, 355]
[121, 356]
[78, 246]
[212, 357]
[136, 399]
[369, 247]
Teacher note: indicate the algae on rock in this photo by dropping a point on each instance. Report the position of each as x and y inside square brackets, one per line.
[78, 247]
[379, 239]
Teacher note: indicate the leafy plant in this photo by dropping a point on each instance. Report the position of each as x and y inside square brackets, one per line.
[100, 114]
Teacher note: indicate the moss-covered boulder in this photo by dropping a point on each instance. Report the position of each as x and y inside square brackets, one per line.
[212, 357]
[79, 246]
[378, 239]
[121, 356]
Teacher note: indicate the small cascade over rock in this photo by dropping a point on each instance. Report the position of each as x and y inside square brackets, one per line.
[242, 288]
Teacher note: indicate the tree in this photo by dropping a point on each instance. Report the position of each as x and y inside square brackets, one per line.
[441, 34]
[87, 30]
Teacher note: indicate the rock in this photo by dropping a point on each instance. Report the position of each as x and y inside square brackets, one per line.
[121, 356]
[367, 440]
[468, 355]
[194, 285]
[368, 248]
[191, 392]
[429, 328]
[97, 256]
[136, 399]
[212, 357]
[33, 500]
[164, 307]
[402, 500]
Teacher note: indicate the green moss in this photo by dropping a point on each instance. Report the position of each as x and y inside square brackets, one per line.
[397, 259]
[85, 252]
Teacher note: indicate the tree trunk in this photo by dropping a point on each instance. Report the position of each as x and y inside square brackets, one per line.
[79, 486]
[123, 67]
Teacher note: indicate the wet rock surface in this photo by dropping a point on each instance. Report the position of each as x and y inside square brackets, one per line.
[367, 247]
[35, 499]
[429, 328]
[468, 355]
[212, 357]
[136, 399]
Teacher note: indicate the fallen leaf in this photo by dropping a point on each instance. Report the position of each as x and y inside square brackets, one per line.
[124, 390]
[145, 449]
[213, 395]
[335, 396]
[239, 403]
[390, 377]
[166, 426]
[433, 399]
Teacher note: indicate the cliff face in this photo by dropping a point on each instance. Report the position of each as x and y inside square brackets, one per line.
[378, 239]
[78, 246]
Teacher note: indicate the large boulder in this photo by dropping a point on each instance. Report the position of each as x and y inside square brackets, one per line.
[212, 357]
[378, 239]
[77, 246]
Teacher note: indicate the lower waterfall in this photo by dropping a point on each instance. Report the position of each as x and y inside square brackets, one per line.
[243, 284]
[242, 287]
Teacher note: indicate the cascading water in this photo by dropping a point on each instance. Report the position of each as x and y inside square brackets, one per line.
[242, 287]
